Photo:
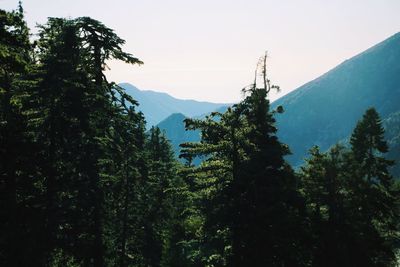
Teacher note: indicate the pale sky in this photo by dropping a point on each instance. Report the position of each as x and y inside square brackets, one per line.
[208, 49]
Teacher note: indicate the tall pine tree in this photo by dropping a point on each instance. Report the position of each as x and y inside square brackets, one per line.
[251, 201]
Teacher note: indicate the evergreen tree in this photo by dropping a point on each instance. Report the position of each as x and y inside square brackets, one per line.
[323, 184]
[98, 44]
[250, 198]
[368, 144]
[75, 113]
[126, 167]
[352, 200]
[20, 218]
[268, 204]
[376, 195]
[56, 116]
[83, 184]
[158, 186]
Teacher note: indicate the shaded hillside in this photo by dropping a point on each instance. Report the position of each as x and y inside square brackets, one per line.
[392, 135]
[157, 106]
[174, 128]
[326, 109]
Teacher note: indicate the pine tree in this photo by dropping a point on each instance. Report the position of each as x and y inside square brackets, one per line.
[323, 184]
[21, 222]
[98, 44]
[352, 200]
[268, 204]
[250, 195]
[376, 196]
[125, 168]
[211, 183]
[75, 113]
[368, 144]
[55, 116]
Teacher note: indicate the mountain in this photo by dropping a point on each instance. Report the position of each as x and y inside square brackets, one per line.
[325, 111]
[157, 106]
[392, 135]
[174, 127]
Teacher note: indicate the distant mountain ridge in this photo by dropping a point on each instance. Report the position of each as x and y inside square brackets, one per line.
[325, 110]
[157, 106]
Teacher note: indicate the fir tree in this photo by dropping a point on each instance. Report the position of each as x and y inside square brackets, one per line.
[250, 192]
[323, 183]
[21, 219]
[353, 201]
[377, 197]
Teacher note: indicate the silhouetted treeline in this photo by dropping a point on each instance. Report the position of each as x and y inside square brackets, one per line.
[83, 184]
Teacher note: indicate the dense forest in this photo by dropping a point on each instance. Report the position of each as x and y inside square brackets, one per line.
[83, 183]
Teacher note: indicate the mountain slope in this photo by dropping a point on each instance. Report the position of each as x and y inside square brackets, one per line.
[326, 110]
[174, 127]
[157, 106]
[392, 135]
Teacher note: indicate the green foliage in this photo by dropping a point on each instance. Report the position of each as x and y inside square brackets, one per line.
[326, 109]
[352, 201]
[249, 193]
[83, 184]
[18, 188]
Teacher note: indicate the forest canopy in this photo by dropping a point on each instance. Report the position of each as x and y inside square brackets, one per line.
[83, 183]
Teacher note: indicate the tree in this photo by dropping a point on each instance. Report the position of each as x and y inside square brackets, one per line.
[74, 112]
[251, 199]
[377, 195]
[98, 44]
[20, 219]
[158, 197]
[367, 143]
[352, 201]
[269, 203]
[324, 186]
[126, 167]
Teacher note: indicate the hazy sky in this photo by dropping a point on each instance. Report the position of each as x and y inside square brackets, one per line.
[208, 49]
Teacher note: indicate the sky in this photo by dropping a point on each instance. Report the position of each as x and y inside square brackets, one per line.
[208, 49]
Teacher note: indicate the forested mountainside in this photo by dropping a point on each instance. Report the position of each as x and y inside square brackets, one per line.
[158, 106]
[325, 110]
[392, 135]
[84, 183]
